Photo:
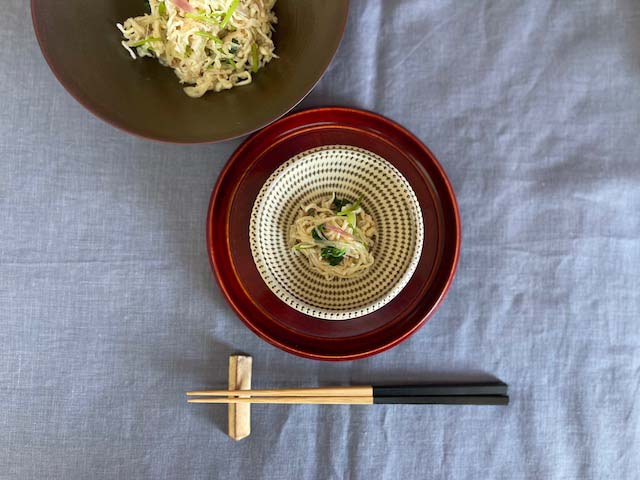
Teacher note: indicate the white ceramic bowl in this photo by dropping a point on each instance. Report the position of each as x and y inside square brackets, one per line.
[351, 173]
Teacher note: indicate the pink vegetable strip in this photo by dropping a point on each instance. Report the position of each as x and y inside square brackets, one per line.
[342, 232]
[183, 4]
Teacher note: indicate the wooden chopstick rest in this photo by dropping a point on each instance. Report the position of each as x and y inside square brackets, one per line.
[239, 379]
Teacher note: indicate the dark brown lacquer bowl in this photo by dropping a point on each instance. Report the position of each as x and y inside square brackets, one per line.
[81, 43]
[230, 253]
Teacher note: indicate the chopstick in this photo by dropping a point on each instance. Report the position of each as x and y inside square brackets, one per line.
[364, 391]
[410, 400]
[447, 394]
[342, 400]
[496, 388]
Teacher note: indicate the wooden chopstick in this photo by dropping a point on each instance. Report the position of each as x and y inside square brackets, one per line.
[331, 400]
[473, 389]
[363, 391]
[445, 394]
[360, 400]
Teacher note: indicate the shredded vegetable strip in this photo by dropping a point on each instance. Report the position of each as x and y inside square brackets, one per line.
[210, 37]
[255, 58]
[232, 9]
[145, 41]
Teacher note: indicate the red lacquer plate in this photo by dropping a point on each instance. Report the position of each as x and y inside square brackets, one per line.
[230, 253]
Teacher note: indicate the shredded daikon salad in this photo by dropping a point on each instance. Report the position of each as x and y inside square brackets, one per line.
[336, 236]
[210, 44]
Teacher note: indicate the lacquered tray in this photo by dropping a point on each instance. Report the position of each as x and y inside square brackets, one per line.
[230, 253]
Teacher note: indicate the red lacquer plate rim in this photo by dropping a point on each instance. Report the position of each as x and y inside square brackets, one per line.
[228, 278]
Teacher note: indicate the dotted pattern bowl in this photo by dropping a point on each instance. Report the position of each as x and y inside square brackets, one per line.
[350, 172]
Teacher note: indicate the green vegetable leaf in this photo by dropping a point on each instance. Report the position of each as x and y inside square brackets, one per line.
[339, 203]
[233, 49]
[317, 234]
[147, 6]
[162, 9]
[333, 255]
[349, 212]
[352, 208]
[229, 13]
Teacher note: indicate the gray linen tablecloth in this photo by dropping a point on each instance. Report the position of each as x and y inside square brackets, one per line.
[109, 312]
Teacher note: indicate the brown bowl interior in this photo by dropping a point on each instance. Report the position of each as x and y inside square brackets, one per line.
[82, 45]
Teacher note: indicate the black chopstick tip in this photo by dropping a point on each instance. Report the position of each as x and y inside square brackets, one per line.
[502, 400]
[453, 389]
